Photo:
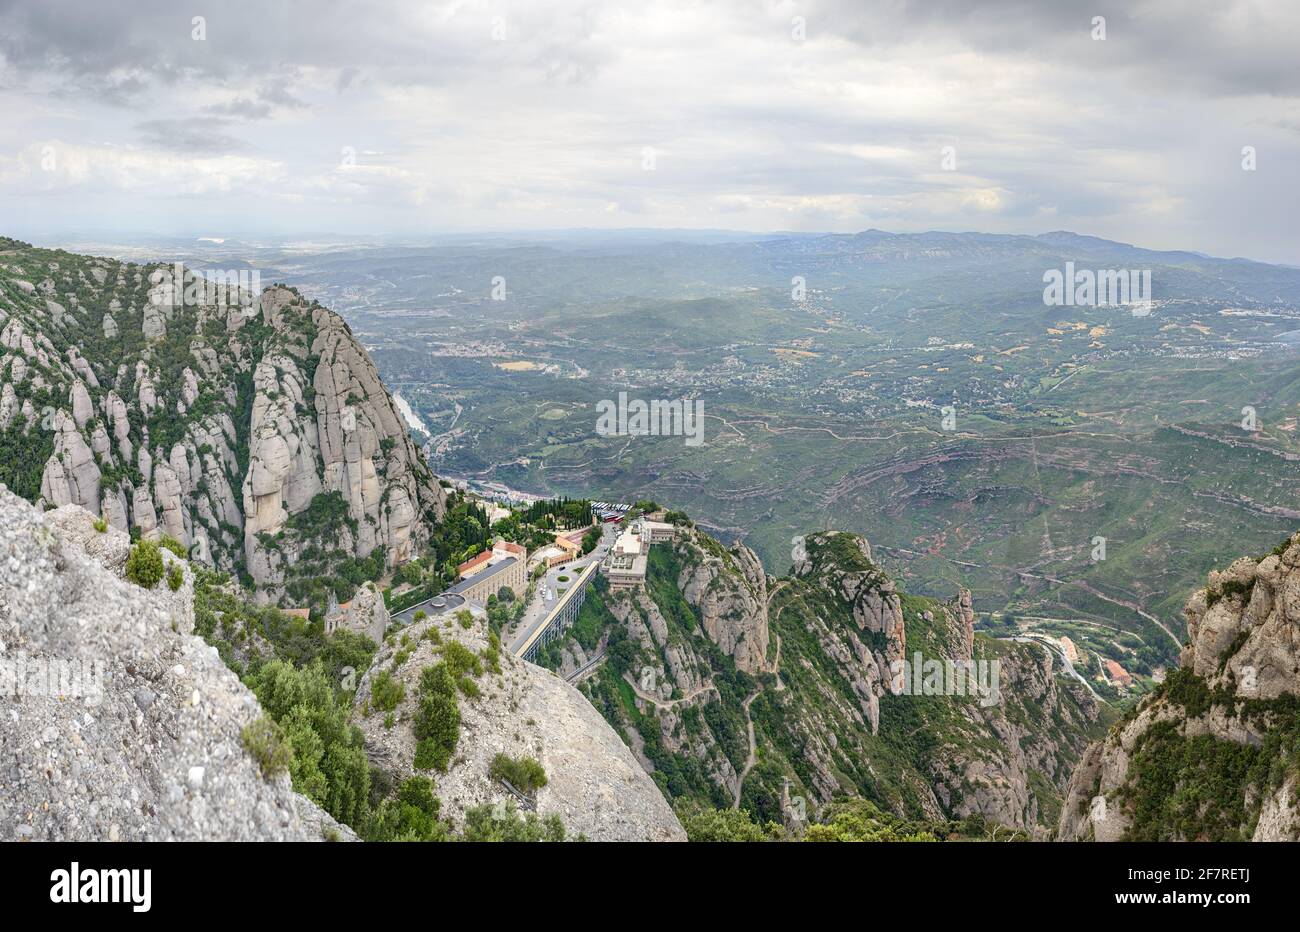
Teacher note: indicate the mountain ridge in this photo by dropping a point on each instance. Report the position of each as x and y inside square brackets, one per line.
[225, 421]
[811, 662]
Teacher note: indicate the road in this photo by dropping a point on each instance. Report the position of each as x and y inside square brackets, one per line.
[1053, 645]
[588, 668]
[661, 703]
[548, 590]
[1093, 590]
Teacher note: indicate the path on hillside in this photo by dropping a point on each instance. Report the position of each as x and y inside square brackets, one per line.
[775, 668]
[1086, 622]
[1093, 590]
[749, 720]
[776, 664]
[667, 703]
[753, 748]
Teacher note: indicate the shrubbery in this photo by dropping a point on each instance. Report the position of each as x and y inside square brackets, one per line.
[264, 741]
[329, 763]
[844, 820]
[437, 718]
[409, 815]
[523, 773]
[503, 823]
[144, 566]
[387, 691]
[461, 660]
[172, 544]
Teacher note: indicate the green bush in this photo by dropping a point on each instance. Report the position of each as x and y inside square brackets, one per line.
[409, 815]
[329, 760]
[461, 660]
[265, 742]
[175, 577]
[523, 773]
[144, 566]
[387, 691]
[437, 719]
[502, 823]
[704, 823]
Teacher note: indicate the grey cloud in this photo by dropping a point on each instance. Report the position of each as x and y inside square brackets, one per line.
[241, 108]
[89, 40]
[1233, 47]
[193, 137]
[270, 96]
[1227, 47]
[280, 96]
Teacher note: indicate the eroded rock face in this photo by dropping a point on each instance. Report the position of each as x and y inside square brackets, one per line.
[729, 591]
[1278, 815]
[71, 475]
[223, 449]
[365, 614]
[594, 784]
[842, 563]
[139, 736]
[1243, 655]
[335, 431]
[821, 699]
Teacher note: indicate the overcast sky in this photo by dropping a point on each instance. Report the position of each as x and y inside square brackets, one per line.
[813, 115]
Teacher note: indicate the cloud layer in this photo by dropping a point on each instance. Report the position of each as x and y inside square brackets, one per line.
[822, 115]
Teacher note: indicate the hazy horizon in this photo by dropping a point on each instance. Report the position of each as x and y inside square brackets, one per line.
[140, 239]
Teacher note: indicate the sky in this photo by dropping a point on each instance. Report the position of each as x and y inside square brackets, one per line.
[406, 118]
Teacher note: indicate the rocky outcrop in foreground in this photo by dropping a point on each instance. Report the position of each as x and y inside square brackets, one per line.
[593, 782]
[1212, 755]
[116, 722]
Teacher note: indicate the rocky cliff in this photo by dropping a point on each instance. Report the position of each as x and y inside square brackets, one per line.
[729, 591]
[252, 428]
[118, 722]
[1214, 753]
[780, 694]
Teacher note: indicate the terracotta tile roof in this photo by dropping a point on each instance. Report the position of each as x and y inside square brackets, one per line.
[475, 562]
